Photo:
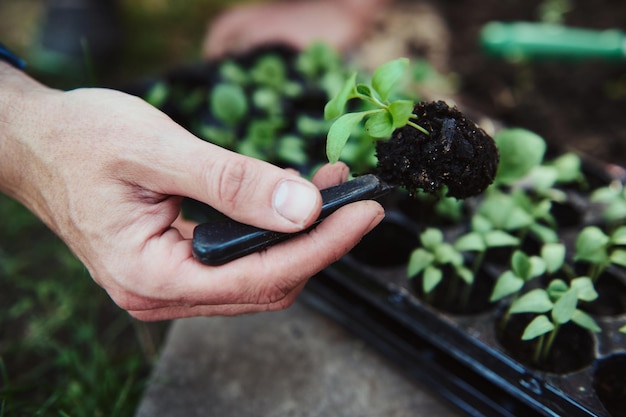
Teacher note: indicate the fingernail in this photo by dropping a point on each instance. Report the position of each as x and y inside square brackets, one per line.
[295, 201]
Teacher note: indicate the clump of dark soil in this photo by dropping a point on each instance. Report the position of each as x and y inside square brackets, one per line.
[456, 153]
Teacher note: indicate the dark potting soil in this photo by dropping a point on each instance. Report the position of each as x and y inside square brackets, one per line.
[456, 153]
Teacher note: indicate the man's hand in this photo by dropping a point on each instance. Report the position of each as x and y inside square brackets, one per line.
[340, 23]
[107, 173]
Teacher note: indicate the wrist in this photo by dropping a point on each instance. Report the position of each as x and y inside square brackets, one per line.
[21, 98]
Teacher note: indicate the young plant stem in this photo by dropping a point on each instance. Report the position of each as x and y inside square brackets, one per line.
[478, 262]
[595, 270]
[537, 357]
[382, 105]
[418, 127]
[548, 345]
[507, 315]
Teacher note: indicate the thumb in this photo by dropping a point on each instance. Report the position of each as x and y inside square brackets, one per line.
[243, 188]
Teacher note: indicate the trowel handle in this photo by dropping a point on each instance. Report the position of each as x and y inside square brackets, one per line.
[545, 40]
[219, 242]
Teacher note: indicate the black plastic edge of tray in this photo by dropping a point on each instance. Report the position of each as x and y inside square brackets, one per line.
[477, 379]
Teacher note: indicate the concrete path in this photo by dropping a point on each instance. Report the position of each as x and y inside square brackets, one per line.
[292, 363]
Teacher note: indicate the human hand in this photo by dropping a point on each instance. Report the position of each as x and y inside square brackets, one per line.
[107, 172]
[340, 23]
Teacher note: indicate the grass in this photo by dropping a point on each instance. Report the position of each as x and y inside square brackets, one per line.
[65, 349]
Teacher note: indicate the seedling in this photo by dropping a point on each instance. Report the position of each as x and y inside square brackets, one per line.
[430, 260]
[555, 307]
[482, 237]
[613, 199]
[600, 250]
[525, 268]
[385, 116]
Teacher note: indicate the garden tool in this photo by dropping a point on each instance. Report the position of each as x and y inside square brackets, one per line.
[527, 40]
[219, 242]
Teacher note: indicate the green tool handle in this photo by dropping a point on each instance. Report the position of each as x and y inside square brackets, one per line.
[545, 40]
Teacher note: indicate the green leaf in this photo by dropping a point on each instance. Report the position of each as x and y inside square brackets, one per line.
[339, 133]
[387, 76]
[291, 149]
[431, 238]
[446, 254]
[228, 103]
[233, 73]
[585, 288]
[470, 242]
[565, 306]
[157, 94]
[543, 177]
[556, 289]
[623, 329]
[269, 70]
[481, 224]
[553, 255]
[364, 90]
[534, 301]
[432, 278]
[335, 107]
[465, 274]
[520, 263]
[517, 219]
[537, 267]
[618, 257]
[584, 320]
[508, 283]
[544, 233]
[606, 194]
[500, 238]
[317, 59]
[379, 125]
[419, 260]
[616, 211]
[591, 245]
[266, 99]
[618, 236]
[539, 326]
[568, 166]
[401, 111]
[520, 151]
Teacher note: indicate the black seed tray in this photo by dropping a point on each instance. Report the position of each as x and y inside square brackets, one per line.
[459, 356]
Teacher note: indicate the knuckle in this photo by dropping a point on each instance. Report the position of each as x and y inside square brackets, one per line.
[231, 181]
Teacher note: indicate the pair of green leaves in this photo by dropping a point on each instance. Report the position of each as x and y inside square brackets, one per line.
[560, 300]
[524, 268]
[384, 116]
[434, 254]
[596, 247]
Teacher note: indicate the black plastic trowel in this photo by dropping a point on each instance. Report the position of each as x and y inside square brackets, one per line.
[219, 242]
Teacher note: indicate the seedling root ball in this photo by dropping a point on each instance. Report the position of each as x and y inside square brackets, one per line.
[456, 153]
